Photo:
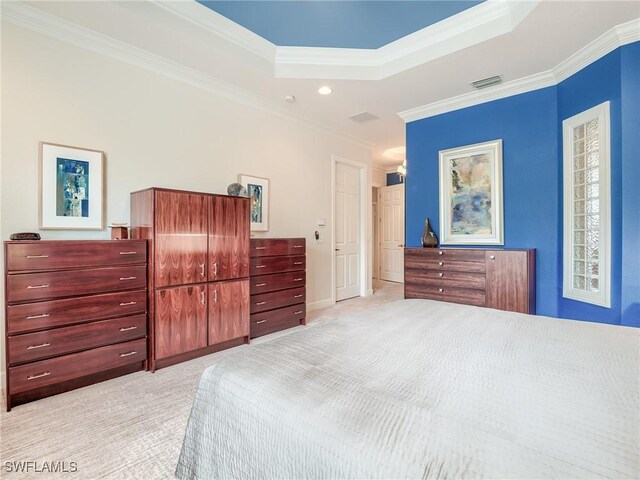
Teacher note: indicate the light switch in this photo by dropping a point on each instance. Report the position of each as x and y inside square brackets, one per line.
[322, 222]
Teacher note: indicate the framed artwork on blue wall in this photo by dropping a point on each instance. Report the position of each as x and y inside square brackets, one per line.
[258, 193]
[471, 195]
[71, 188]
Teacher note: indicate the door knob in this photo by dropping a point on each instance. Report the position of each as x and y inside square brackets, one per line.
[337, 249]
[401, 245]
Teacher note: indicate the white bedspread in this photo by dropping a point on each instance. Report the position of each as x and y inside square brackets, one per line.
[423, 389]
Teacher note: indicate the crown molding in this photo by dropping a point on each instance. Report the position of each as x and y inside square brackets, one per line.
[220, 26]
[44, 23]
[469, 27]
[515, 87]
[617, 36]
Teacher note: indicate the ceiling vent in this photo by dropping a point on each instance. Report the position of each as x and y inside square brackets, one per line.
[487, 82]
[363, 117]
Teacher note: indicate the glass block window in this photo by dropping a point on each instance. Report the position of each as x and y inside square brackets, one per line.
[586, 244]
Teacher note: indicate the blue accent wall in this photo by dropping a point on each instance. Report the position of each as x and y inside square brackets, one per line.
[393, 179]
[530, 126]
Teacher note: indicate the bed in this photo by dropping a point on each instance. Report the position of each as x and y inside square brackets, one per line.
[423, 389]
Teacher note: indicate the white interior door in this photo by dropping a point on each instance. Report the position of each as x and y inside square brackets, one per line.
[347, 231]
[392, 233]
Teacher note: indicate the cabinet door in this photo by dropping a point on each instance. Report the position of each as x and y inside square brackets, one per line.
[181, 320]
[228, 311]
[228, 238]
[181, 238]
[507, 281]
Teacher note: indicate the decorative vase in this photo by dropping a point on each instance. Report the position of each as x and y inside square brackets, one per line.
[429, 238]
[237, 190]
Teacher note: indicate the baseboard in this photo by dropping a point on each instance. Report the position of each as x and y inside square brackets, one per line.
[369, 292]
[327, 302]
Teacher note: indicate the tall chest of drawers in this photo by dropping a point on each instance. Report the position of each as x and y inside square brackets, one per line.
[278, 292]
[75, 314]
[501, 279]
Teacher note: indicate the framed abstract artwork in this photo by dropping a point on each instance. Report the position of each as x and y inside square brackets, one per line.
[258, 193]
[71, 188]
[471, 195]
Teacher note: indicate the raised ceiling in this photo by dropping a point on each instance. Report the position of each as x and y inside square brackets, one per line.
[336, 24]
[425, 73]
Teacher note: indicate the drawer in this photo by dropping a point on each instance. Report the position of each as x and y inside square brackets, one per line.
[264, 247]
[75, 365]
[275, 320]
[58, 341]
[43, 286]
[277, 281]
[264, 265]
[443, 278]
[30, 317]
[446, 294]
[444, 264]
[463, 254]
[282, 298]
[60, 255]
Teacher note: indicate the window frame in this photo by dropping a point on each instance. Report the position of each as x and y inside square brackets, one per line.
[603, 296]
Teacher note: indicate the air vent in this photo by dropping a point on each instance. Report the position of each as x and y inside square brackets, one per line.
[363, 117]
[487, 82]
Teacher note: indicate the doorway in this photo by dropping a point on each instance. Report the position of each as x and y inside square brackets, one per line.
[391, 233]
[349, 214]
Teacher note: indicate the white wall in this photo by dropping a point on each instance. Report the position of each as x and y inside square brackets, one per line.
[156, 131]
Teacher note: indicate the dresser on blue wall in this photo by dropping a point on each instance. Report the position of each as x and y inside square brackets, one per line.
[530, 126]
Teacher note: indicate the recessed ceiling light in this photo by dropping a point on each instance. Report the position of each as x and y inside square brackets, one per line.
[325, 90]
[289, 98]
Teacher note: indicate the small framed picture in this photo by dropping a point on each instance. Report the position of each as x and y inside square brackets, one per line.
[71, 188]
[258, 193]
[471, 195]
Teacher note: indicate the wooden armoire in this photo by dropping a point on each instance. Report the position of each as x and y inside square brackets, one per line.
[198, 251]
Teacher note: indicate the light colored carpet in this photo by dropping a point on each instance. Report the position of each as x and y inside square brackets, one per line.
[129, 427]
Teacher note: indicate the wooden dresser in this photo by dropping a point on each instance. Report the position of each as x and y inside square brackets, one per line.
[198, 271]
[277, 284]
[502, 279]
[75, 314]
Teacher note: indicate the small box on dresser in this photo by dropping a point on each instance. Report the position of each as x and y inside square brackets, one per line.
[76, 314]
[278, 291]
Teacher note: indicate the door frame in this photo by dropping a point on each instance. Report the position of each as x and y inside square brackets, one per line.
[364, 177]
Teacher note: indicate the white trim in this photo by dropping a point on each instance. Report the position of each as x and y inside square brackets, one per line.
[320, 304]
[34, 19]
[469, 27]
[603, 296]
[616, 37]
[365, 188]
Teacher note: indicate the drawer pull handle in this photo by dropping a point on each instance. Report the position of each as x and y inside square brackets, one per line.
[260, 266]
[215, 269]
[298, 246]
[128, 253]
[127, 278]
[42, 345]
[126, 329]
[297, 263]
[202, 269]
[261, 284]
[261, 303]
[441, 274]
[124, 304]
[440, 263]
[31, 317]
[297, 296]
[492, 257]
[260, 321]
[261, 248]
[298, 279]
[37, 286]
[215, 296]
[298, 312]
[36, 256]
[441, 290]
[440, 252]
[128, 354]
[40, 375]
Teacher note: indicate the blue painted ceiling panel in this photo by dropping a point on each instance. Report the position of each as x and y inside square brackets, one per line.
[338, 24]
